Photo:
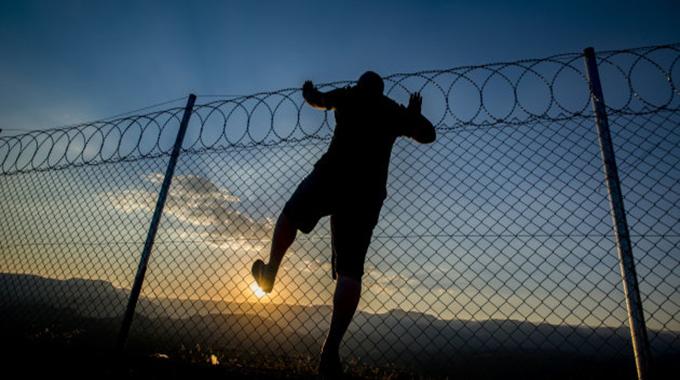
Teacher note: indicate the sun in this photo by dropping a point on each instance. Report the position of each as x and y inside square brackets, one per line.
[259, 293]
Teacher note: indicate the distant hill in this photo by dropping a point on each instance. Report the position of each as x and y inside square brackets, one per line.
[410, 338]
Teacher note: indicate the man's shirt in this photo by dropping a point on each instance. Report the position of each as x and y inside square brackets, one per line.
[358, 157]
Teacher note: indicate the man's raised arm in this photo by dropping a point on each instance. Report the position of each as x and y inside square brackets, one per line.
[417, 126]
[321, 100]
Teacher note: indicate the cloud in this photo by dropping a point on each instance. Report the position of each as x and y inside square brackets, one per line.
[209, 213]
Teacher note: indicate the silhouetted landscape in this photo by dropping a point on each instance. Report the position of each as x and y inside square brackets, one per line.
[83, 314]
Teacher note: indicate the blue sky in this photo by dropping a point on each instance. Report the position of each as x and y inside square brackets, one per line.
[70, 61]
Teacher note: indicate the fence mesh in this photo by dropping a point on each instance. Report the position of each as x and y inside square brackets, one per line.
[495, 241]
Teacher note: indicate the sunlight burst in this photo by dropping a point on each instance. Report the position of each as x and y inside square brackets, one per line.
[259, 293]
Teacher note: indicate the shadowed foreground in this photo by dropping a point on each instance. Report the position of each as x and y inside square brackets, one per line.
[56, 355]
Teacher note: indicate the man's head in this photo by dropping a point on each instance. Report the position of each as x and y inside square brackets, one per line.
[371, 83]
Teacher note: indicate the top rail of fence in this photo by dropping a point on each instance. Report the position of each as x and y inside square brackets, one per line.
[636, 81]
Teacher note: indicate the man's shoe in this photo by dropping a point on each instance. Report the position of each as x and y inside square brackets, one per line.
[264, 276]
[330, 366]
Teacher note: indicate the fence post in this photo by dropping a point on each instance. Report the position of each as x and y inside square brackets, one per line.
[153, 227]
[636, 318]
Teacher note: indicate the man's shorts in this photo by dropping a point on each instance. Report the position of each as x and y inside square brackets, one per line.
[352, 220]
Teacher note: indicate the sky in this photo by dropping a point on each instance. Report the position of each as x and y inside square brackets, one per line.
[65, 62]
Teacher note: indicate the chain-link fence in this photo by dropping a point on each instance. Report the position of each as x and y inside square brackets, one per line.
[494, 245]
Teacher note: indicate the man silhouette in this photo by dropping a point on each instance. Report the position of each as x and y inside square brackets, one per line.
[349, 184]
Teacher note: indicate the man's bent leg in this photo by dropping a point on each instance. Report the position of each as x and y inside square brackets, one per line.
[345, 301]
[284, 235]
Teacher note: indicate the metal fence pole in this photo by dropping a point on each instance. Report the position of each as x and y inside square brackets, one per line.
[155, 220]
[636, 318]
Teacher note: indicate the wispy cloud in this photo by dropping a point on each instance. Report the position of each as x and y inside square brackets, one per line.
[209, 213]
